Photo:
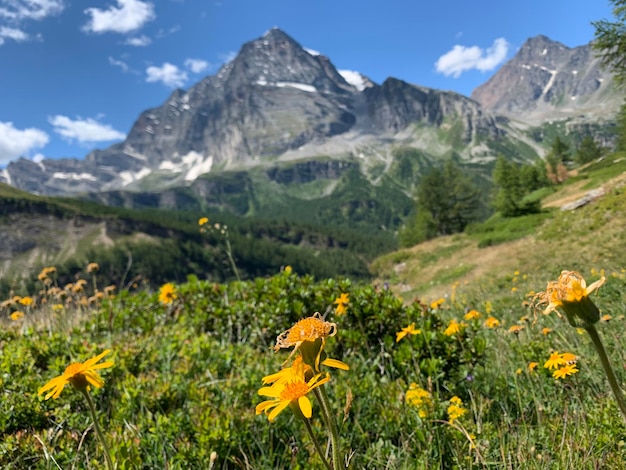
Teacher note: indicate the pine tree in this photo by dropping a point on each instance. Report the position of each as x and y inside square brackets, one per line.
[588, 151]
[447, 201]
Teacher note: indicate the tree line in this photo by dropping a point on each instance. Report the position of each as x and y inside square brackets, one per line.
[448, 200]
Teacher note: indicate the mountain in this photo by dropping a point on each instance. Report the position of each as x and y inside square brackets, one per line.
[273, 104]
[547, 80]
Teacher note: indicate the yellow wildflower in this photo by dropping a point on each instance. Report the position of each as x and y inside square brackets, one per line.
[93, 267]
[453, 328]
[202, 221]
[546, 331]
[167, 293]
[292, 391]
[409, 330]
[437, 303]
[569, 369]
[340, 309]
[571, 294]
[456, 409]
[472, 315]
[492, 322]
[342, 299]
[80, 375]
[16, 315]
[26, 301]
[555, 360]
[532, 366]
[307, 329]
[516, 329]
[419, 398]
[569, 358]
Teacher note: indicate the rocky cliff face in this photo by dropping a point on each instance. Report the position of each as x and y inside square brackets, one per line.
[547, 79]
[272, 100]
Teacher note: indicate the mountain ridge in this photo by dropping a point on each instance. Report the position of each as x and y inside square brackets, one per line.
[277, 102]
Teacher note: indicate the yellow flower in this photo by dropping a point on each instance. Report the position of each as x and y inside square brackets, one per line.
[453, 328]
[532, 366]
[409, 330]
[492, 322]
[456, 409]
[605, 318]
[288, 270]
[571, 294]
[555, 360]
[342, 299]
[472, 315]
[26, 301]
[340, 309]
[569, 358]
[516, 329]
[93, 267]
[202, 221]
[290, 391]
[419, 398]
[569, 369]
[437, 303]
[488, 307]
[513, 289]
[80, 375]
[307, 329]
[17, 315]
[167, 293]
[546, 331]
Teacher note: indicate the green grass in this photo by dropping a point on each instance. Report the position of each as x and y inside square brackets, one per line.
[185, 380]
[500, 229]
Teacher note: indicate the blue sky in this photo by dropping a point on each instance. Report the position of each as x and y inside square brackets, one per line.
[75, 74]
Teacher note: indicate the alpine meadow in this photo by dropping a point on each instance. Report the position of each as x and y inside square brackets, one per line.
[287, 266]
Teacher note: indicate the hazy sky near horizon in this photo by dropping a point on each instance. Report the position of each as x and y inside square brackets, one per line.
[75, 75]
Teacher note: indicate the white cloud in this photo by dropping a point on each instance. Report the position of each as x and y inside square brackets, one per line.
[461, 59]
[84, 130]
[196, 65]
[140, 41]
[119, 63]
[168, 74]
[12, 33]
[20, 10]
[128, 16]
[15, 143]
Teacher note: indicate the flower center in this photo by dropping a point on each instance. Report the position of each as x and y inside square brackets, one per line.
[294, 390]
[73, 369]
[309, 329]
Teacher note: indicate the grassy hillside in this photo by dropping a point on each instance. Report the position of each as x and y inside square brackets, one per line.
[583, 238]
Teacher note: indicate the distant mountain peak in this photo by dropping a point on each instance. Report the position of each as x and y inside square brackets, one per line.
[546, 79]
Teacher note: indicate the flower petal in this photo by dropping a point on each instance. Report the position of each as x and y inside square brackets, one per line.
[275, 412]
[305, 406]
[336, 364]
[89, 363]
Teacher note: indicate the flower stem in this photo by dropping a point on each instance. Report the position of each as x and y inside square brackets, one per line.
[232, 261]
[94, 416]
[319, 449]
[322, 398]
[604, 359]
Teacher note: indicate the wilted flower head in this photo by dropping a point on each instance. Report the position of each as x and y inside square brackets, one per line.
[307, 329]
[93, 267]
[571, 294]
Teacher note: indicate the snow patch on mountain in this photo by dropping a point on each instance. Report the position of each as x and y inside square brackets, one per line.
[354, 78]
[128, 177]
[73, 176]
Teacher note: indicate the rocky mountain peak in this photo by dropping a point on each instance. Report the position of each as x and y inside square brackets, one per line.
[276, 59]
[546, 79]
